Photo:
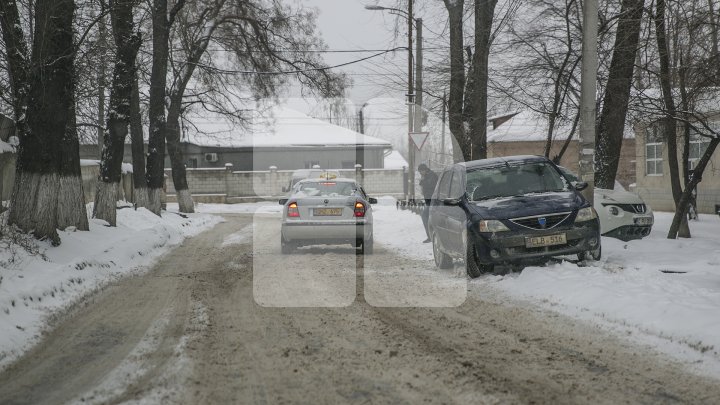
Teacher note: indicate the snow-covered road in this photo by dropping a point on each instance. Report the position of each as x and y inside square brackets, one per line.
[226, 318]
[663, 294]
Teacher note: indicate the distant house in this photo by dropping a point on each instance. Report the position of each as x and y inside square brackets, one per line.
[653, 180]
[522, 133]
[282, 137]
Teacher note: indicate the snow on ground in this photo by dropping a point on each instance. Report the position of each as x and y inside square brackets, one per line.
[658, 291]
[33, 287]
[665, 293]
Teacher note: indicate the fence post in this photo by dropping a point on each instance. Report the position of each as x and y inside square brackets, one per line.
[228, 180]
[359, 174]
[273, 181]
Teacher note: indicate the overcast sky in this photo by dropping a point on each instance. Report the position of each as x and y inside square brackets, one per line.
[347, 25]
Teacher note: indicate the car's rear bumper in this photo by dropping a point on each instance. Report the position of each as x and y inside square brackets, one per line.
[339, 231]
[499, 249]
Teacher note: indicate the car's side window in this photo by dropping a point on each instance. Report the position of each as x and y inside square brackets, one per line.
[457, 188]
[444, 185]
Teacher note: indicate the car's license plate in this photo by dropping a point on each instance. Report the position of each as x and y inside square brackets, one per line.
[548, 240]
[643, 220]
[327, 212]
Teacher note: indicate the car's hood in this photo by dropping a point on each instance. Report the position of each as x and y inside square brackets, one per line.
[527, 205]
[605, 196]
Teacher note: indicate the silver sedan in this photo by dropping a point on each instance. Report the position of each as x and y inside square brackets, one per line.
[327, 211]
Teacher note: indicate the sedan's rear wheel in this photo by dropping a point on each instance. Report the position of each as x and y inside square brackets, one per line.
[368, 246]
[286, 247]
[442, 260]
[473, 267]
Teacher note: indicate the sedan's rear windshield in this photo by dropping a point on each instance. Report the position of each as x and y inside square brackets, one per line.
[506, 181]
[327, 188]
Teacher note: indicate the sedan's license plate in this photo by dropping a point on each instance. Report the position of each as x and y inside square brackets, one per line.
[327, 212]
[548, 240]
[643, 220]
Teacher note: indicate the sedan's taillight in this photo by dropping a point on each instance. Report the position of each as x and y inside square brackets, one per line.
[293, 210]
[359, 209]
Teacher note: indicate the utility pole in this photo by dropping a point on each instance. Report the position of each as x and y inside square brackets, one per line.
[411, 107]
[588, 89]
[418, 114]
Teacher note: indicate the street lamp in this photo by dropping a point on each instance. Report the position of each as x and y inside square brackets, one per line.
[410, 96]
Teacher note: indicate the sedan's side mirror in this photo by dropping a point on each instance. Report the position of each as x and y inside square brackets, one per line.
[581, 185]
[451, 201]
[372, 200]
[283, 201]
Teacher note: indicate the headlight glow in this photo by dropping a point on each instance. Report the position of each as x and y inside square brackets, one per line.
[586, 214]
[492, 225]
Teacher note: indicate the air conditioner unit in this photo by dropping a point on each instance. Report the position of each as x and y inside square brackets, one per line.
[211, 157]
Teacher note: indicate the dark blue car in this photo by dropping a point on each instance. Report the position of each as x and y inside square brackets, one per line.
[510, 211]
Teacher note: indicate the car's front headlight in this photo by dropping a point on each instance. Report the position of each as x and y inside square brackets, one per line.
[492, 225]
[586, 214]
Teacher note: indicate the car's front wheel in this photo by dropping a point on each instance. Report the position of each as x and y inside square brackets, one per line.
[594, 254]
[442, 260]
[473, 267]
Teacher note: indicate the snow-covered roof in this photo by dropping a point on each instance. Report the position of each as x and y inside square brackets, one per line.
[526, 126]
[280, 126]
[395, 161]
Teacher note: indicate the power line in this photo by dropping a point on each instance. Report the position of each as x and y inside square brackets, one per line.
[225, 71]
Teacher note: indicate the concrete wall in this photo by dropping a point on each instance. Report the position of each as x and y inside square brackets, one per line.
[249, 159]
[656, 190]
[269, 183]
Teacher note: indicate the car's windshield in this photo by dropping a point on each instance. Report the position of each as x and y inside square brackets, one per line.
[327, 188]
[511, 180]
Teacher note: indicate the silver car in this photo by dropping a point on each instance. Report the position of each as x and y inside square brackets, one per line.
[327, 211]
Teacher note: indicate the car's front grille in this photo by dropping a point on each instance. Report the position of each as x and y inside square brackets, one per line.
[541, 221]
[633, 208]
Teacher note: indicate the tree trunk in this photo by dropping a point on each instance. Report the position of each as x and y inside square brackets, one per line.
[681, 210]
[71, 210]
[617, 94]
[177, 162]
[457, 79]
[140, 192]
[669, 122]
[484, 12]
[127, 46]
[102, 51]
[16, 52]
[48, 155]
[156, 144]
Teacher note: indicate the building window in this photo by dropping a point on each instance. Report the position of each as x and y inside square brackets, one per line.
[309, 164]
[348, 164]
[653, 152]
[698, 145]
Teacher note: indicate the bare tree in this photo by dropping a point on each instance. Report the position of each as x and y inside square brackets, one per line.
[456, 96]
[611, 126]
[127, 44]
[47, 194]
[264, 40]
[161, 23]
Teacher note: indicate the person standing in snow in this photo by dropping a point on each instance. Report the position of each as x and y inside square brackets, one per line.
[428, 180]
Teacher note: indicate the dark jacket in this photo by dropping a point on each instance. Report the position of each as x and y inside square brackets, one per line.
[428, 182]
